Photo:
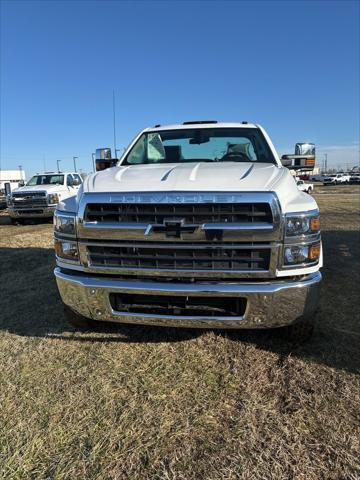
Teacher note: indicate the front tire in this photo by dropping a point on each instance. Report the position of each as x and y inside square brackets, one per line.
[17, 221]
[77, 320]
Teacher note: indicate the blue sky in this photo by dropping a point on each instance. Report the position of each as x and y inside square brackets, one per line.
[291, 66]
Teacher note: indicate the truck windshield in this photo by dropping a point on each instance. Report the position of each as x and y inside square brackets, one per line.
[200, 145]
[46, 180]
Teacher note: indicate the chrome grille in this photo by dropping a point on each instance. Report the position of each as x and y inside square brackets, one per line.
[210, 257]
[201, 235]
[192, 214]
[29, 199]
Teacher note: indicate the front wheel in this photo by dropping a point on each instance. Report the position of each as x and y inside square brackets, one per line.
[77, 320]
[299, 332]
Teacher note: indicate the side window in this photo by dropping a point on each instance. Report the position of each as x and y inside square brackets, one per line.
[69, 180]
[137, 154]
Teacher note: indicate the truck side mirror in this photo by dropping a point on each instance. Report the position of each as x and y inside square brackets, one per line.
[303, 159]
[7, 186]
[103, 159]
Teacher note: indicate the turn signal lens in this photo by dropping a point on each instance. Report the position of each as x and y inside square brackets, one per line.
[314, 252]
[315, 224]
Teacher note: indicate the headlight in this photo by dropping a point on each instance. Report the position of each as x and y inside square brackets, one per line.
[301, 254]
[302, 224]
[67, 250]
[53, 198]
[64, 223]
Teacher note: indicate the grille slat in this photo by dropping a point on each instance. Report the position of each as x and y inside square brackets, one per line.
[211, 258]
[189, 214]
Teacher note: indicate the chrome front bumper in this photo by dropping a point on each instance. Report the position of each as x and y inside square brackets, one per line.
[36, 212]
[269, 304]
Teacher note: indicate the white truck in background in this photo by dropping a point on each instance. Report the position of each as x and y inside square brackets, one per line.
[304, 187]
[336, 179]
[39, 197]
[197, 225]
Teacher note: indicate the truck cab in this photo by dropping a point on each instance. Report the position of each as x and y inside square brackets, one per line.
[39, 197]
[198, 225]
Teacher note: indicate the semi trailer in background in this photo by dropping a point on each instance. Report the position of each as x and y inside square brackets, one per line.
[10, 179]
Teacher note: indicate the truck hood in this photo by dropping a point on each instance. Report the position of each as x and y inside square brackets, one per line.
[230, 176]
[39, 188]
[202, 176]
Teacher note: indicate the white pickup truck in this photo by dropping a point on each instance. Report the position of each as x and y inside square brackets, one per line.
[39, 197]
[304, 187]
[336, 179]
[198, 225]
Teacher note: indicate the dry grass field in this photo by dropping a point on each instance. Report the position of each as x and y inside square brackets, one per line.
[131, 402]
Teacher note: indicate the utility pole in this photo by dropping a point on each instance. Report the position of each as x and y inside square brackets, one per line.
[20, 170]
[325, 155]
[58, 165]
[93, 161]
[114, 122]
[74, 159]
[116, 152]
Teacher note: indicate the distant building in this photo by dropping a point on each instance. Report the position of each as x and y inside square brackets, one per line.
[309, 173]
[14, 177]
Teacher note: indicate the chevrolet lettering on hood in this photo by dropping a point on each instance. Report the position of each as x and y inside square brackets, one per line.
[175, 198]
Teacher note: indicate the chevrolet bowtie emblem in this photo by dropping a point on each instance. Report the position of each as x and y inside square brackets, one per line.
[171, 227]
